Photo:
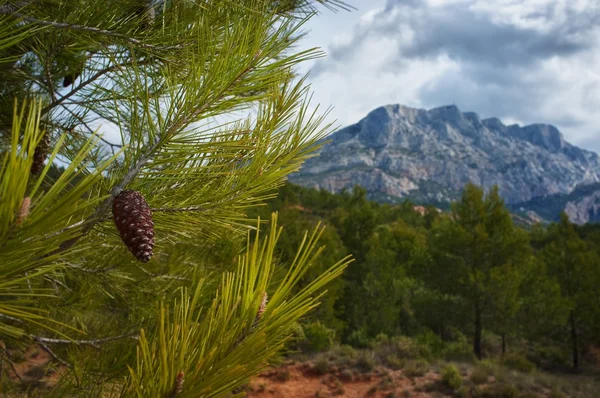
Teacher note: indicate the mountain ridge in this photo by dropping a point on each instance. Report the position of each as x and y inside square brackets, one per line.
[398, 152]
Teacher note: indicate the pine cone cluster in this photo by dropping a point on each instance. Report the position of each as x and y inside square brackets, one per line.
[40, 154]
[133, 219]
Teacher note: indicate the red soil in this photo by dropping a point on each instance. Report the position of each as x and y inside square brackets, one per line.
[301, 381]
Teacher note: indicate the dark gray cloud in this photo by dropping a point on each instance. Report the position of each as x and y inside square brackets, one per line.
[527, 60]
[465, 34]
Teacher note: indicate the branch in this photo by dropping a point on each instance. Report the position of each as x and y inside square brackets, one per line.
[90, 80]
[85, 28]
[98, 215]
[53, 355]
[178, 209]
[94, 343]
[173, 277]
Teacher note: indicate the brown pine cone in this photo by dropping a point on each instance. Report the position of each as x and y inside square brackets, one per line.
[40, 154]
[133, 219]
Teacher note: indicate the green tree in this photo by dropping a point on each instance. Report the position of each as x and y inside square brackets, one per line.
[473, 252]
[205, 313]
[576, 268]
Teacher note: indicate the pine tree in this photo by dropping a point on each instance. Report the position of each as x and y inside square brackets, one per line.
[207, 118]
[477, 254]
[575, 268]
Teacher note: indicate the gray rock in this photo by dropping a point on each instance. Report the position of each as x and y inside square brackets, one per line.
[396, 151]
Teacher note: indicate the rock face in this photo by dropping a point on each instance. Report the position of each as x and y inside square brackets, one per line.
[398, 152]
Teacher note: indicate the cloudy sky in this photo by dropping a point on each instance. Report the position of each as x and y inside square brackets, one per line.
[524, 61]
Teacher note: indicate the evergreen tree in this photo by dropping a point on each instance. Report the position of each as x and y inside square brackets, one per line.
[163, 297]
[476, 253]
[575, 268]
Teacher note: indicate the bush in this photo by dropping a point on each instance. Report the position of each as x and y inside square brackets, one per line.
[318, 337]
[365, 362]
[346, 351]
[322, 365]
[491, 344]
[359, 339]
[458, 352]
[517, 362]
[462, 392]
[393, 362]
[556, 393]
[500, 390]
[416, 368]
[480, 374]
[282, 375]
[430, 344]
[549, 357]
[401, 347]
[451, 377]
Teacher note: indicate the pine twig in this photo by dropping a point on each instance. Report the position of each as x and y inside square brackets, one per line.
[89, 29]
[94, 342]
[98, 215]
[177, 386]
[173, 277]
[53, 355]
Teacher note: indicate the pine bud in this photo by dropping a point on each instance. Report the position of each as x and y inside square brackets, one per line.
[39, 155]
[147, 12]
[262, 308]
[133, 219]
[177, 385]
[70, 78]
[24, 211]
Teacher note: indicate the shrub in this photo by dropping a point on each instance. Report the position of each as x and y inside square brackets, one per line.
[416, 368]
[346, 351]
[365, 362]
[458, 352]
[358, 338]
[346, 375]
[393, 362]
[491, 344]
[451, 377]
[430, 344]
[517, 362]
[556, 393]
[500, 390]
[401, 347]
[480, 374]
[549, 357]
[462, 392]
[322, 365]
[282, 375]
[318, 337]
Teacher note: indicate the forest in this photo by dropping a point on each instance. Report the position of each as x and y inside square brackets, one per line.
[467, 283]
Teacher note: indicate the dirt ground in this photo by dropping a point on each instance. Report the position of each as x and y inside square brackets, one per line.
[301, 381]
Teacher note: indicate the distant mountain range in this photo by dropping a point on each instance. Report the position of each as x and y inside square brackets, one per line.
[427, 156]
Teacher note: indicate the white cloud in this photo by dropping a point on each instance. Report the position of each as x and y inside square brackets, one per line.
[520, 60]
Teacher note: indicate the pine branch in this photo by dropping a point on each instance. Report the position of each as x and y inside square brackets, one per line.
[53, 355]
[90, 80]
[88, 225]
[89, 29]
[173, 277]
[94, 342]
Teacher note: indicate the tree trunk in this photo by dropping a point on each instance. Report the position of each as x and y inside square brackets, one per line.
[503, 344]
[478, 330]
[574, 342]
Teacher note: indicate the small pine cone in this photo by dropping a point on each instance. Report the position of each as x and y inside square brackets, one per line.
[40, 155]
[262, 308]
[24, 210]
[70, 78]
[178, 385]
[146, 10]
[133, 219]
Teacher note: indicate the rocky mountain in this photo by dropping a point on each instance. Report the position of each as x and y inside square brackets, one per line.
[397, 152]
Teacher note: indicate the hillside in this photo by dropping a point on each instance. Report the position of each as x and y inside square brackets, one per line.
[427, 156]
